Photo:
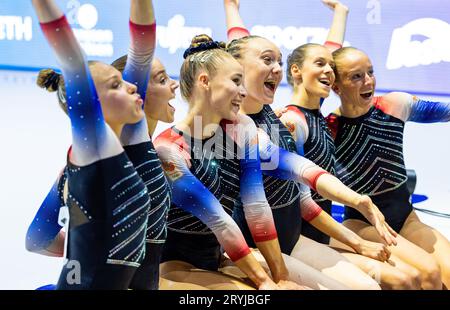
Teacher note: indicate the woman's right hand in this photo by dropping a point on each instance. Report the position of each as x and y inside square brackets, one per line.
[376, 218]
[373, 250]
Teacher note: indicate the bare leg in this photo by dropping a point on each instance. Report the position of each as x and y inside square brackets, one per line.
[333, 264]
[303, 274]
[432, 241]
[391, 276]
[406, 251]
[172, 285]
[178, 271]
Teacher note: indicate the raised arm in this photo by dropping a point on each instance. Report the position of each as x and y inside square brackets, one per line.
[44, 235]
[137, 69]
[336, 35]
[235, 25]
[192, 196]
[92, 138]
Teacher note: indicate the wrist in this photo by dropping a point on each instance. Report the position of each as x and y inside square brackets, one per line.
[341, 8]
[356, 202]
[355, 243]
[279, 274]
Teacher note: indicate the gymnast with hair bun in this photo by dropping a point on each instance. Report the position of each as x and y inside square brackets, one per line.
[107, 200]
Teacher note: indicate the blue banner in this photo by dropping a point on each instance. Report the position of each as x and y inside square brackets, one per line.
[407, 40]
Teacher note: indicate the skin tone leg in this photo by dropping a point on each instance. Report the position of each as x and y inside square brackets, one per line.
[332, 264]
[178, 271]
[303, 274]
[166, 285]
[431, 241]
[395, 275]
[406, 251]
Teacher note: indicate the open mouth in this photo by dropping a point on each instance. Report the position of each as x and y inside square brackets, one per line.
[236, 106]
[325, 82]
[367, 95]
[271, 85]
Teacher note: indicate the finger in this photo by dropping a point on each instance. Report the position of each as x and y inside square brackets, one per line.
[391, 230]
[392, 240]
[390, 263]
[388, 232]
[387, 251]
[380, 231]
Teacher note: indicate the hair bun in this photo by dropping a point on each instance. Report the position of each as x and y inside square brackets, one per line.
[48, 79]
[202, 42]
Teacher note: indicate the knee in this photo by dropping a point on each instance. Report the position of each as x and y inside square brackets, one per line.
[410, 280]
[431, 275]
[415, 278]
[373, 286]
[367, 283]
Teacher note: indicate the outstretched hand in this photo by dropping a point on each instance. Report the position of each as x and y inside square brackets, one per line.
[376, 218]
[334, 4]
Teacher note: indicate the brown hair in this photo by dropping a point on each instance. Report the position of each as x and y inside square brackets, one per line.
[53, 81]
[235, 46]
[338, 55]
[120, 63]
[203, 57]
[298, 57]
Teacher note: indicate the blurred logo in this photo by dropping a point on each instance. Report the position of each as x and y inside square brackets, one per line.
[176, 35]
[292, 37]
[407, 50]
[16, 28]
[95, 42]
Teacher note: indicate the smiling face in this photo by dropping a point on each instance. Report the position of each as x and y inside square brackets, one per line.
[160, 90]
[227, 90]
[120, 102]
[315, 74]
[356, 80]
[261, 60]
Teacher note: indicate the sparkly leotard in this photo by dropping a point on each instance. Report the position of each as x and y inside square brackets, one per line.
[369, 151]
[207, 179]
[313, 139]
[108, 201]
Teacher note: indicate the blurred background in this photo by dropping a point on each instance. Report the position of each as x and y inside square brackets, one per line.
[407, 41]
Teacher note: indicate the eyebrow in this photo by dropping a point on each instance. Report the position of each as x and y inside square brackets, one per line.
[322, 59]
[160, 72]
[112, 77]
[359, 70]
[272, 51]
